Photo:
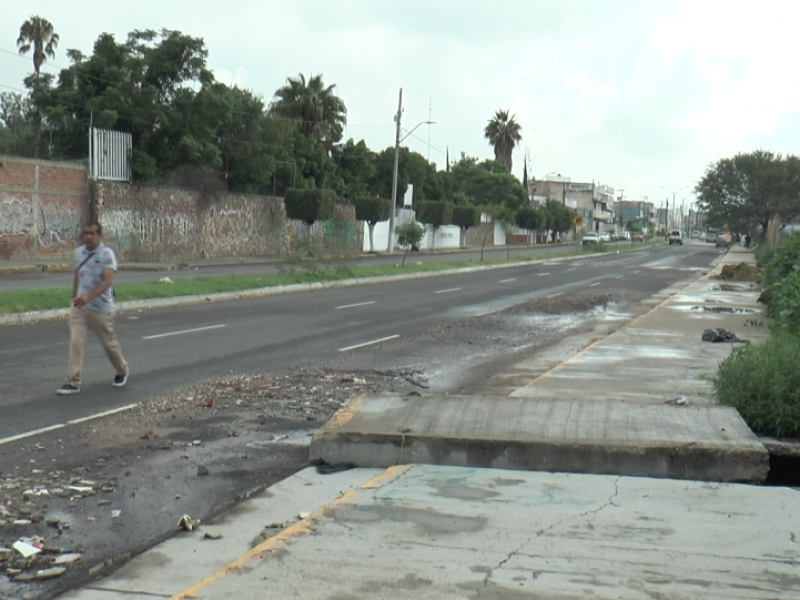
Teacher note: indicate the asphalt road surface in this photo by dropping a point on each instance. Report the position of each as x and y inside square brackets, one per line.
[169, 347]
[306, 343]
[44, 279]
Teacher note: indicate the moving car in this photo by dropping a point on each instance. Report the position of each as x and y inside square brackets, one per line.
[722, 240]
[675, 237]
[590, 237]
[696, 234]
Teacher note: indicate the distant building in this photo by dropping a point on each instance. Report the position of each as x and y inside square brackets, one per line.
[640, 212]
[592, 201]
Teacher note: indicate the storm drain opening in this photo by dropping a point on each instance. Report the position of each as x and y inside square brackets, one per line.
[784, 471]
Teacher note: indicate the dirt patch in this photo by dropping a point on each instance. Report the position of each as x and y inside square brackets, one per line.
[739, 272]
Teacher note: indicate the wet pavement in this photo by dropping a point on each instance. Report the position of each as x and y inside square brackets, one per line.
[431, 531]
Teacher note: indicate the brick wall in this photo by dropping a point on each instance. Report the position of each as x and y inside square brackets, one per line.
[154, 223]
[43, 205]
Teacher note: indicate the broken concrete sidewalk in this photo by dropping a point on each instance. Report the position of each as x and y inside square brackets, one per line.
[603, 437]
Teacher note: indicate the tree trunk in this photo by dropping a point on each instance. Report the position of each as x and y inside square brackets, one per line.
[371, 230]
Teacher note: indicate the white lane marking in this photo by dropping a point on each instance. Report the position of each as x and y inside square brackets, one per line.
[35, 432]
[545, 274]
[621, 276]
[572, 269]
[449, 291]
[636, 272]
[595, 284]
[163, 335]
[508, 280]
[354, 305]
[372, 343]
[556, 295]
[488, 312]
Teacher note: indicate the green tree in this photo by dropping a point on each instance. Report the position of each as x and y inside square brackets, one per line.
[435, 214]
[310, 205]
[409, 235]
[531, 219]
[488, 182]
[503, 133]
[316, 109]
[466, 216]
[17, 134]
[39, 35]
[412, 168]
[356, 166]
[371, 210]
[559, 217]
[751, 188]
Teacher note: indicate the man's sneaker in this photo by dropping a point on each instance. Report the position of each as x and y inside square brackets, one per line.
[68, 389]
[121, 380]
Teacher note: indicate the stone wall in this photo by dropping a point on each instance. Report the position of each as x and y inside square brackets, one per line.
[154, 223]
[43, 205]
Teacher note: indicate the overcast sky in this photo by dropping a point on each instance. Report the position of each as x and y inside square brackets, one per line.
[638, 94]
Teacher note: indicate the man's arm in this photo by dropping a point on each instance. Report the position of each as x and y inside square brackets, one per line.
[108, 279]
[75, 285]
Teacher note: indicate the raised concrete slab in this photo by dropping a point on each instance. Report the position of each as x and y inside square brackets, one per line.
[708, 443]
[454, 533]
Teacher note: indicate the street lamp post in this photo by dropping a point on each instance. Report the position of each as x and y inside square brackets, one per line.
[397, 141]
[666, 216]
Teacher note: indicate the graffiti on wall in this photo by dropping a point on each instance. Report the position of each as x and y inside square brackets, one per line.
[57, 224]
[127, 228]
[16, 217]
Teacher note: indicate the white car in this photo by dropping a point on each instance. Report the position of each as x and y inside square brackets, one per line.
[604, 236]
[590, 237]
[625, 235]
[675, 237]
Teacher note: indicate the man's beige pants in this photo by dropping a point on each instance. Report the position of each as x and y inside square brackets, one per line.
[80, 322]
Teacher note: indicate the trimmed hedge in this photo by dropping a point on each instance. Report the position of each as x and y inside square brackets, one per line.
[310, 205]
[466, 216]
[435, 213]
[372, 210]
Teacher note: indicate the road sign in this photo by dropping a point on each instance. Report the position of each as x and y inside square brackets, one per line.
[578, 220]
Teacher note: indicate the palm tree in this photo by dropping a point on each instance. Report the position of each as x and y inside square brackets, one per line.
[38, 33]
[504, 133]
[314, 106]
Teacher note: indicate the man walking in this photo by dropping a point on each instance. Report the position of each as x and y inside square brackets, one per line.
[93, 308]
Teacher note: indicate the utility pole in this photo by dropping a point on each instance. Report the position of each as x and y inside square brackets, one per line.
[390, 245]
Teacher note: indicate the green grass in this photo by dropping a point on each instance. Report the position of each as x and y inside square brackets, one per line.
[762, 382]
[52, 298]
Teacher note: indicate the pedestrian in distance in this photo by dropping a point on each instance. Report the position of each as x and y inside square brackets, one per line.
[92, 307]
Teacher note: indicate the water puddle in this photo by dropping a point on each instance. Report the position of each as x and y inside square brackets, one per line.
[733, 287]
[728, 310]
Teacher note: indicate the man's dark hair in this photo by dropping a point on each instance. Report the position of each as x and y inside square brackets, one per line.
[97, 227]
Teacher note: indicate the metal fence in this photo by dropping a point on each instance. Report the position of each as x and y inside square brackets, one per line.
[110, 154]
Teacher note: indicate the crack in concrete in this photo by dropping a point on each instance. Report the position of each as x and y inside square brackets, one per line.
[541, 532]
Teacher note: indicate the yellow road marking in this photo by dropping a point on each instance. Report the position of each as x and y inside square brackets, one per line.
[580, 353]
[272, 545]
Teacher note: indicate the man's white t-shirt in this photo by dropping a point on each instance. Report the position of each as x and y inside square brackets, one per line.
[90, 275]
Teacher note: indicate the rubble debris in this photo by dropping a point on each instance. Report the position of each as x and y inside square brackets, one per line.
[211, 536]
[740, 272]
[26, 549]
[721, 335]
[202, 470]
[50, 573]
[188, 523]
[66, 559]
[116, 514]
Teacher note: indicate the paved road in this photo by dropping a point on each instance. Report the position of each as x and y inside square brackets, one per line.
[170, 347]
[44, 280]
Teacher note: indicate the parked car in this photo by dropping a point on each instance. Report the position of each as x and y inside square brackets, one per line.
[605, 236]
[637, 237]
[590, 237]
[696, 234]
[675, 237]
[625, 235]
